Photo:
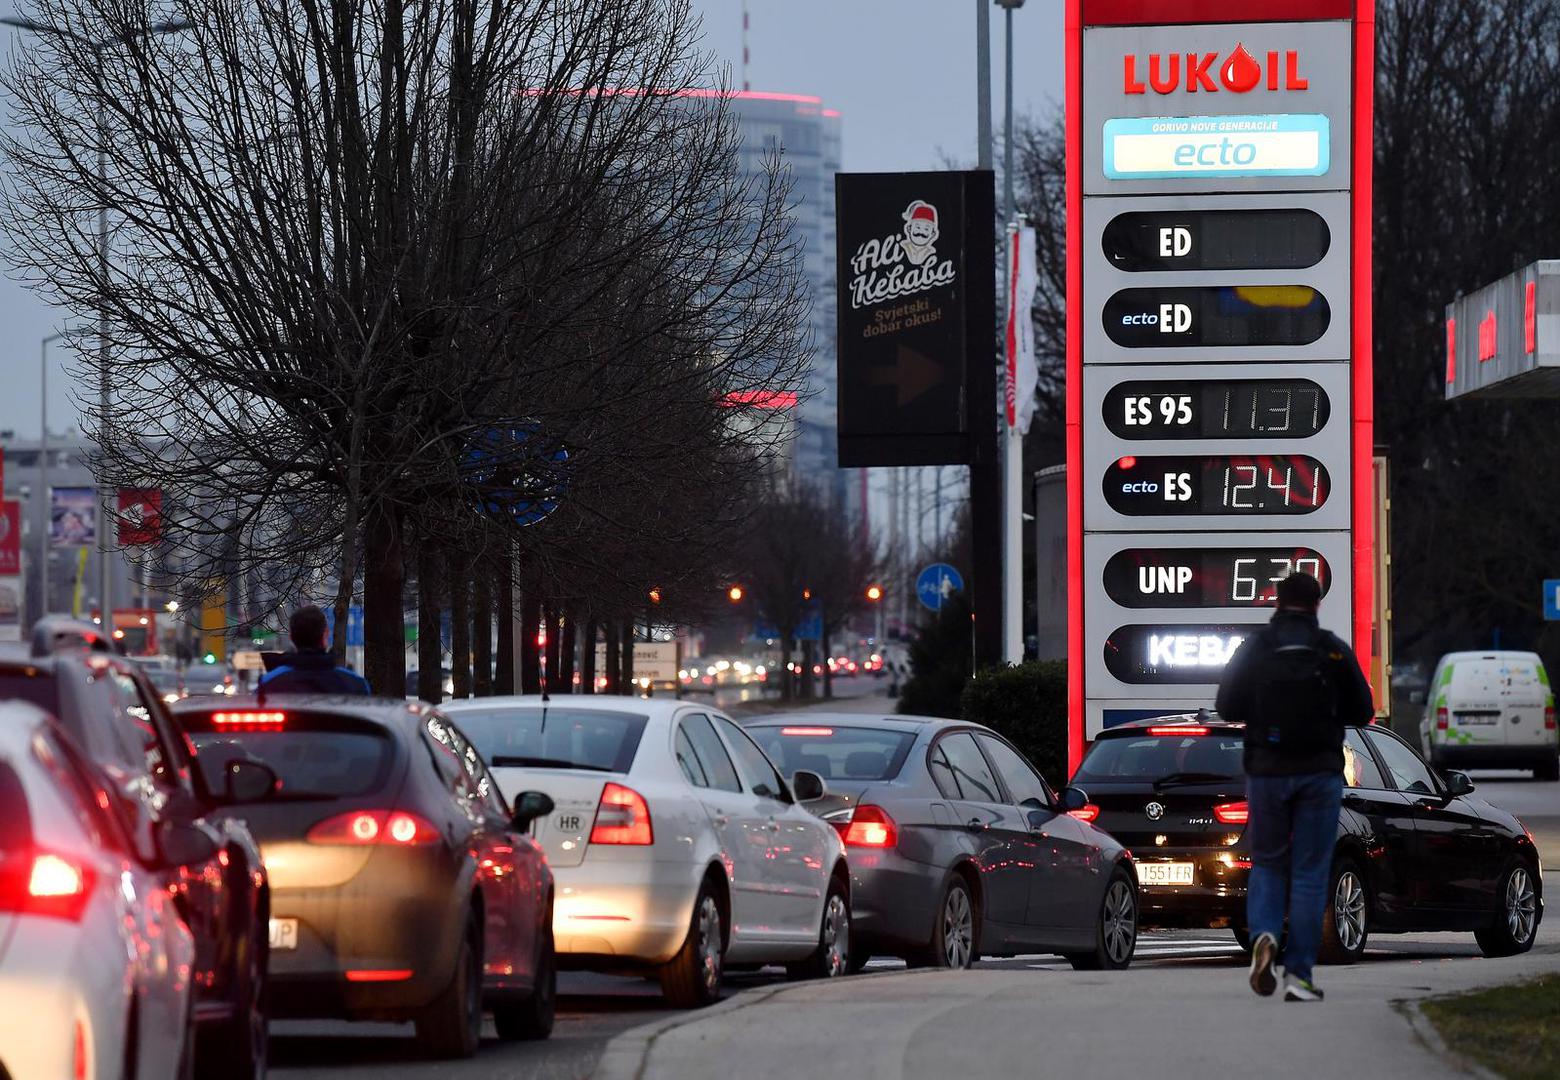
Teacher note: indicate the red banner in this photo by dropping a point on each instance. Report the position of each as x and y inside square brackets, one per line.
[10, 536]
[140, 516]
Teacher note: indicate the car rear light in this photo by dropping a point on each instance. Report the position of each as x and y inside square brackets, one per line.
[45, 883]
[378, 975]
[1549, 718]
[869, 827]
[1443, 718]
[622, 818]
[78, 1054]
[248, 721]
[1086, 812]
[1179, 729]
[1231, 813]
[362, 827]
[820, 732]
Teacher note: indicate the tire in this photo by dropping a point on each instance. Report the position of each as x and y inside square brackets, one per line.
[531, 1017]
[691, 979]
[956, 933]
[831, 958]
[1115, 929]
[451, 1025]
[858, 961]
[1347, 918]
[1515, 922]
[1550, 770]
[237, 1048]
[1242, 937]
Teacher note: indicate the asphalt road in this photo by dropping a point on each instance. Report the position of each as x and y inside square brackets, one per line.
[592, 1009]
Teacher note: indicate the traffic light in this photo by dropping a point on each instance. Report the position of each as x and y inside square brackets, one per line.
[655, 596]
[874, 593]
[735, 594]
[209, 658]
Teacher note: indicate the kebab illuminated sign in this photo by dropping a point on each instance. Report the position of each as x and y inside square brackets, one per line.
[1219, 426]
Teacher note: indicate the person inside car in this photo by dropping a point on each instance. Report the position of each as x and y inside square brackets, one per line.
[310, 668]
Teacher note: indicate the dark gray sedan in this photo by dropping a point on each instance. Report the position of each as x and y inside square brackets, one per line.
[957, 847]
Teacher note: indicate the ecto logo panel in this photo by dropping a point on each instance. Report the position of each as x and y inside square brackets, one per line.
[1160, 147]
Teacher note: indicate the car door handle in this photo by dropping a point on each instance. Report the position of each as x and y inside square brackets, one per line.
[1353, 800]
[720, 821]
[975, 824]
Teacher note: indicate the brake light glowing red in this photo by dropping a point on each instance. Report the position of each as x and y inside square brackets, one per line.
[45, 883]
[1549, 718]
[248, 721]
[1179, 729]
[79, 1052]
[869, 827]
[819, 732]
[1232, 813]
[623, 817]
[1443, 718]
[371, 975]
[361, 827]
[1086, 812]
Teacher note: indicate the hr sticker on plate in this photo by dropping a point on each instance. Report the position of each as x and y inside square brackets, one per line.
[284, 934]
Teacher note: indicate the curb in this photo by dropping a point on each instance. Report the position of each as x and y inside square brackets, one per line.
[627, 1054]
[1425, 1030]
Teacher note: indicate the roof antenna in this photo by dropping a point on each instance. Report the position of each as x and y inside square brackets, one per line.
[745, 86]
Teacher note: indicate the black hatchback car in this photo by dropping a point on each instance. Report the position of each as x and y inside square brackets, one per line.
[1415, 850]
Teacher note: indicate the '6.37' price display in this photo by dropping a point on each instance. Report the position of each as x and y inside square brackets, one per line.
[1207, 577]
[1216, 484]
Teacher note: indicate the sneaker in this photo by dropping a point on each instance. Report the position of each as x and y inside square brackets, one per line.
[1263, 951]
[1298, 989]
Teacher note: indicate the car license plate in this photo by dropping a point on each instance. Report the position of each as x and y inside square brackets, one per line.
[284, 933]
[1477, 717]
[1166, 873]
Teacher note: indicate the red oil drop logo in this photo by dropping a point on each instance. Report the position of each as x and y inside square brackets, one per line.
[1241, 71]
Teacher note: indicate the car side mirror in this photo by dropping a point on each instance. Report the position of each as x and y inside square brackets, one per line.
[1457, 783]
[529, 806]
[184, 844]
[808, 786]
[248, 781]
[1074, 799]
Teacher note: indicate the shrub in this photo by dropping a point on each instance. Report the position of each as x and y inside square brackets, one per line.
[940, 663]
[1027, 703]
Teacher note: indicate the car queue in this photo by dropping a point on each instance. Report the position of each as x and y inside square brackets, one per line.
[305, 856]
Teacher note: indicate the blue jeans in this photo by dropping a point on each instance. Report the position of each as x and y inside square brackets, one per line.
[1292, 828]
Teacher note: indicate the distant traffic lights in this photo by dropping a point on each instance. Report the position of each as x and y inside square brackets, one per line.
[655, 596]
[734, 594]
[874, 593]
[209, 658]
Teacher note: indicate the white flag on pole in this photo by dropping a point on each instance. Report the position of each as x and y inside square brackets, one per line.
[1022, 374]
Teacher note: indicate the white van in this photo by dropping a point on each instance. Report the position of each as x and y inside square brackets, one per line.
[1491, 710]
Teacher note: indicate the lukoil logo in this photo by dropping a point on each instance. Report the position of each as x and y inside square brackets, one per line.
[1240, 72]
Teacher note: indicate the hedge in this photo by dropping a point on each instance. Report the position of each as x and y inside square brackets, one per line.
[1027, 703]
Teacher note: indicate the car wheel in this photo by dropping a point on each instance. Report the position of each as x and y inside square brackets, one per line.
[531, 1017]
[451, 1026]
[237, 1047]
[691, 979]
[954, 940]
[1346, 920]
[1550, 770]
[1115, 932]
[1516, 914]
[831, 959]
[1242, 937]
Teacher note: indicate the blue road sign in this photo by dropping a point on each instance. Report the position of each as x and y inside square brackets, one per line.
[354, 623]
[810, 626]
[516, 471]
[936, 583]
[1552, 600]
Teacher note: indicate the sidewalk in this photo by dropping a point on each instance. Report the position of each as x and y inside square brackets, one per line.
[1187, 1020]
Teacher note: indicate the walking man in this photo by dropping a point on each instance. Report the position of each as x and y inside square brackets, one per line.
[310, 668]
[1295, 687]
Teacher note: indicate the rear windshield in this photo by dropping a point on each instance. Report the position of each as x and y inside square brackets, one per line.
[39, 688]
[316, 756]
[1212, 757]
[553, 738]
[836, 753]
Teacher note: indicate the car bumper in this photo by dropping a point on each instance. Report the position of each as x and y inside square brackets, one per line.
[893, 901]
[1493, 757]
[629, 911]
[49, 983]
[1216, 898]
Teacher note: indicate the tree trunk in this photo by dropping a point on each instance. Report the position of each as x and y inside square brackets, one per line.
[430, 641]
[504, 605]
[568, 633]
[787, 677]
[807, 670]
[460, 624]
[384, 609]
[481, 632]
[530, 617]
[614, 672]
[626, 684]
[828, 672]
[551, 617]
[588, 657]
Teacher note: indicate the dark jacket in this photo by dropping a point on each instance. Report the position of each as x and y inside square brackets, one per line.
[311, 671]
[1238, 695]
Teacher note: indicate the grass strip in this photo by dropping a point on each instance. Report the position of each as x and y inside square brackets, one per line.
[1512, 1030]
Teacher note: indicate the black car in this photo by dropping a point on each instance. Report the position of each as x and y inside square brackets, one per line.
[1415, 851]
[109, 705]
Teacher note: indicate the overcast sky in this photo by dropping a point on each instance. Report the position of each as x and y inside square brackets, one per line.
[901, 72]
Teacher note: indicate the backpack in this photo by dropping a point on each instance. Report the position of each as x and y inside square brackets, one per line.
[1294, 696]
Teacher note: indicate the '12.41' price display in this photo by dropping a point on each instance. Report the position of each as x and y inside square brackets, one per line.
[1216, 484]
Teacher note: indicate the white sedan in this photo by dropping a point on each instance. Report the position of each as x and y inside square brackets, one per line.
[94, 959]
[676, 845]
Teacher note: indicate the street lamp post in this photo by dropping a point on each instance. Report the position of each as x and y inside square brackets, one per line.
[101, 126]
[1012, 440]
[43, 473]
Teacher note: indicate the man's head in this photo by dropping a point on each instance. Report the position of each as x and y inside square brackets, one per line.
[1299, 592]
[308, 628]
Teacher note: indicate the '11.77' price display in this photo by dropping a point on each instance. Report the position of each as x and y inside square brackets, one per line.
[1216, 484]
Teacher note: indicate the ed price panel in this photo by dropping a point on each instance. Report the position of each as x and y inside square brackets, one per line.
[1168, 610]
[1223, 446]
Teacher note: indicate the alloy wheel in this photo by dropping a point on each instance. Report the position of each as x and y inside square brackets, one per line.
[1119, 920]
[1349, 910]
[958, 929]
[1521, 906]
[709, 946]
[836, 936]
